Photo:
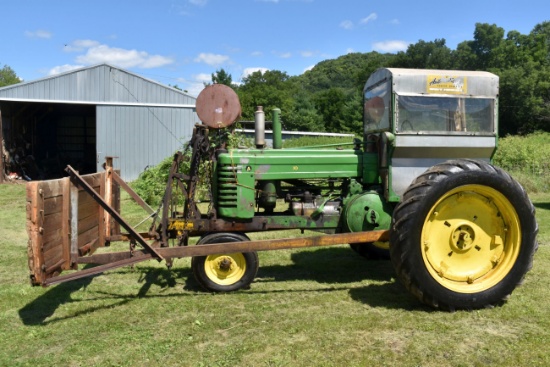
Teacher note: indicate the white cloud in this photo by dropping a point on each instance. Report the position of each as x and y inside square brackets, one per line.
[195, 86]
[369, 18]
[257, 54]
[124, 58]
[390, 46]
[309, 68]
[40, 33]
[211, 59]
[395, 21]
[307, 53]
[347, 24]
[248, 71]
[63, 68]
[350, 51]
[203, 78]
[283, 55]
[198, 2]
[80, 45]
[93, 52]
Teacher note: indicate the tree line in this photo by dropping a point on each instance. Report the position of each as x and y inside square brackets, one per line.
[329, 97]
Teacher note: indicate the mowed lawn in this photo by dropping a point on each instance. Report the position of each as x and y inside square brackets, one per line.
[312, 307]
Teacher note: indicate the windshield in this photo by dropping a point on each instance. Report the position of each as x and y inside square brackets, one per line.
[449, 115]
[376, 112]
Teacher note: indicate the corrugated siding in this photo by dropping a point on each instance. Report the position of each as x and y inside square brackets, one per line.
[141, 136]
[102, 83]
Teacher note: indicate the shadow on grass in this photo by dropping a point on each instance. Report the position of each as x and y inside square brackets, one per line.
[39, 310]
[43, 307]
[335, 266]
[545, 206]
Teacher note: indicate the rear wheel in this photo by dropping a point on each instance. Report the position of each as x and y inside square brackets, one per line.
[464, 235]
[225, 272]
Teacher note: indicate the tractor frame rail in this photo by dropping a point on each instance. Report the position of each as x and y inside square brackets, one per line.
[69, 219]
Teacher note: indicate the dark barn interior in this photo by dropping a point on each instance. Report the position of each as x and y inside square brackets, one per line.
[41, 139]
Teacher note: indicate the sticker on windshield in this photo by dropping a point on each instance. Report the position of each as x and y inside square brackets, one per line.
[445, 84]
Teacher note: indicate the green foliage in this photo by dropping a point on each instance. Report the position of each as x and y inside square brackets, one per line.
[328, 97]
[151, 183]
[425, 55]
[8, 76]
[222, 77]
[308, 141]
[527, 158]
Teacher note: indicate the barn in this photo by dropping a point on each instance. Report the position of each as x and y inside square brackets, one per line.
[84, 115]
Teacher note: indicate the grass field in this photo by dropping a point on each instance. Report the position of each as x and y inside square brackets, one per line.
[313, 307]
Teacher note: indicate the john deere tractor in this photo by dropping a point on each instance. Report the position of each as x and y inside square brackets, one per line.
[418, 187]
[462, 232]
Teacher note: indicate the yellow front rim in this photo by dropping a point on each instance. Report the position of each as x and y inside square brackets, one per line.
[383, 245]
[471, 239]
[225, 269]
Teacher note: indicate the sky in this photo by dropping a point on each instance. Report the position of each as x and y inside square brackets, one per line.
[182, 42]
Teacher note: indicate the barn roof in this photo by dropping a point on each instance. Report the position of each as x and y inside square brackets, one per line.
[102, 84]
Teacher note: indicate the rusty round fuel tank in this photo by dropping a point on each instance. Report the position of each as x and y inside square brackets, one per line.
[218, 106]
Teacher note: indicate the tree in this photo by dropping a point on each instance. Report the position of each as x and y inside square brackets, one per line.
[331, 105]
[222, 77]
[8, 76]
[270, 89]
[425, 55]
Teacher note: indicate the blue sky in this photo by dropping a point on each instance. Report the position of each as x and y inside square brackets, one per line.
[181, 42]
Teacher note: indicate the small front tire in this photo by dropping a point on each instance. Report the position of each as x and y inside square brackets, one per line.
[225, 272]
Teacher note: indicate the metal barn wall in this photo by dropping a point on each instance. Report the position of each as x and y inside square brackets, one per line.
[96, 84]
[141, 136]
[138, 120]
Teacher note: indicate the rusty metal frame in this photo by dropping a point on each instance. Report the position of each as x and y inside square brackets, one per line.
[78, 181]
[114, 260]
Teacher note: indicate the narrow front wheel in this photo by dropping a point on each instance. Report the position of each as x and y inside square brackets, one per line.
[225, 272]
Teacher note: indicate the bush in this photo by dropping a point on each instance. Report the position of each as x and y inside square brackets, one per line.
[527, 158]
[306, 141]
[151, 183]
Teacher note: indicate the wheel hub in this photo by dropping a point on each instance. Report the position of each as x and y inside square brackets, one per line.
[462, 238]
[225, 264]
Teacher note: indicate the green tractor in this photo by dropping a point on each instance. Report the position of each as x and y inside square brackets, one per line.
[460, 232]
[418, 188]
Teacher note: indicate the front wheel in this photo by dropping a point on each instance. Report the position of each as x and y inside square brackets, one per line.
[225, 272]
[464, 235]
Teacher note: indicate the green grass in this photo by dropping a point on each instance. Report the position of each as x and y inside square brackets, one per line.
[311, 307]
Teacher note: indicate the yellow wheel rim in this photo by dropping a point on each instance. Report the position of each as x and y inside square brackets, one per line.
[383, 245]
[471, 239]
[225, 269]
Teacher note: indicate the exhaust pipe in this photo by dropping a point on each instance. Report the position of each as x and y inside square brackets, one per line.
[277, 131]
[259, 127]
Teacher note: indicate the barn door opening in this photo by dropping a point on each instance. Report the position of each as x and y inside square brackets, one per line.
[41, 139]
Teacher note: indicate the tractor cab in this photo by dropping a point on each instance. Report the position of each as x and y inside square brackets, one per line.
[419, 118]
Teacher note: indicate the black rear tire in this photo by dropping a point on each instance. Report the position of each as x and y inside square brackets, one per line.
[464, 236]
